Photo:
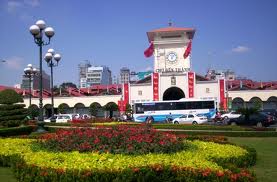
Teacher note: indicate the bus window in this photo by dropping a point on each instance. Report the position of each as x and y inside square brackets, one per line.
[180, 105]
[139, 109]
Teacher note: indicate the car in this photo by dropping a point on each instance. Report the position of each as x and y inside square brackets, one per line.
[61, 118]
[258, 119]
[190, 119]
[271, 112]
[230, 115]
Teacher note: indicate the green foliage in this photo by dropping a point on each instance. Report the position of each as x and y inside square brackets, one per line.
[33, 111]
[229, 134]
[62, 108]
[111, 106]
[248, 111]
[68, 84]
[24, 130]
[9, 97]
[128, 109]
[11, 114]
[94, 108]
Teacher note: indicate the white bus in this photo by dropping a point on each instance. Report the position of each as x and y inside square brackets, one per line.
[160, 111]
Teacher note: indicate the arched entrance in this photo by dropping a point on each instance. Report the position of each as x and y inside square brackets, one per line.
[173, 93]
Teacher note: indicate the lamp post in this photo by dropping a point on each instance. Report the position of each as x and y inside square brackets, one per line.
[29, 73]
[37, 31]
[48, 58]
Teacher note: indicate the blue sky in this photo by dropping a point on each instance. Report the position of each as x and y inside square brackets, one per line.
[238, 34]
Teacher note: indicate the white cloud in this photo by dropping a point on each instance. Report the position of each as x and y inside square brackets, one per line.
[26, 18]
[32, 3]
[19, 6]
[13, 6]
[14, 63]
[149, 68]
[240, 49]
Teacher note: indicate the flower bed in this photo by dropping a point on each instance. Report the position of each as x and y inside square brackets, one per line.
[117, 139]
[201, 161]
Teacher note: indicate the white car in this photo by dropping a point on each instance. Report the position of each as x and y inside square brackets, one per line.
[231, 115]
[191, 119]
[63, 118]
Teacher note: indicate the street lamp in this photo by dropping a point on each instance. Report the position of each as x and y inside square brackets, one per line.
[29, 73]
[48, 58]
[37, 31]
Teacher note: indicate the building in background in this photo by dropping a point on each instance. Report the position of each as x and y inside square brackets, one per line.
[93, 75]
[124, 75]
[98, 75]
[18, 85]
[35, 82]
[115, 80]
[83, 68]
[220, 74]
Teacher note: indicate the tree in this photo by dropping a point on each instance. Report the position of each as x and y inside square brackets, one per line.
[248, 111]
[94, 108]
[10, 97]
[62, 108]
[11, 112]
[33, 111]
[68, 84]
[111, 107]
[128, 109]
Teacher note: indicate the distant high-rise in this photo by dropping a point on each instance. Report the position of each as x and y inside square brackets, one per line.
[83, 68]
[93, 75]
[124, 75]
[219, 74]
[98, 75]
[114, 80]
[35, 82]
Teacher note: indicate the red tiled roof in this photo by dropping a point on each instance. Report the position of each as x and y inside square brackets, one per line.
[169, 29]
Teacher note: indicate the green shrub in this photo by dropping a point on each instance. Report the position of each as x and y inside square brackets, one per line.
[24, 130]
[11, 113]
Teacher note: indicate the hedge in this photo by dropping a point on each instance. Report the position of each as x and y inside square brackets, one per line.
[23, 130]
[197, 163]
[230, 134]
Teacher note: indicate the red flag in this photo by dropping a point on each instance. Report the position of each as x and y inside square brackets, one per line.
[149, 51]
[188, 50]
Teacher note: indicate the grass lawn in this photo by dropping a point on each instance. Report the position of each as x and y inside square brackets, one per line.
[6, 175]
[266, 167]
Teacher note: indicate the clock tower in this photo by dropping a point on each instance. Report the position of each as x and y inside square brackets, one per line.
[170, 44]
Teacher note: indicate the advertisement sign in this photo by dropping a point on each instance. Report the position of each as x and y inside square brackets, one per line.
[191, 84]
[155, 86]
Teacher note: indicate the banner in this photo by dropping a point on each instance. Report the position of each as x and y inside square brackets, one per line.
[126, 93]
[155, 86]
[191, 84]
[223, 100]
[121, 106]
[188, 50]
[149, 51]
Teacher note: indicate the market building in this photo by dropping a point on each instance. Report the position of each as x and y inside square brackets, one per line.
[172, 79]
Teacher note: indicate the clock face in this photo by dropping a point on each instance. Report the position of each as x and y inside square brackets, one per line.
[171, 57]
